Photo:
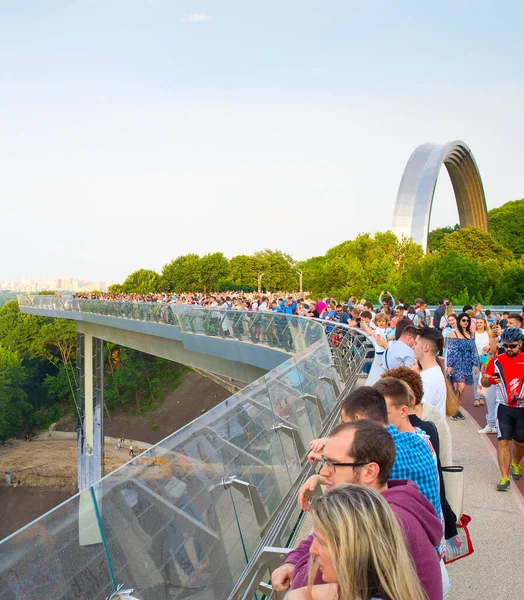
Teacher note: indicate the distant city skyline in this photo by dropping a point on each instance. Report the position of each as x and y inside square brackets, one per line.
[62, 284]
[136, 132]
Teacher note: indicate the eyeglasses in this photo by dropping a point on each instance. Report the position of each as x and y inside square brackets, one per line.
[511, 346]
[332, 465]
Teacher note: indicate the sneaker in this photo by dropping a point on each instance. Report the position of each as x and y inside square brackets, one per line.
[487, 429]
[516, 471]
[458, 416]
[503, 484]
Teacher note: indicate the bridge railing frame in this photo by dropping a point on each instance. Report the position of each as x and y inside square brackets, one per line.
[227, 481]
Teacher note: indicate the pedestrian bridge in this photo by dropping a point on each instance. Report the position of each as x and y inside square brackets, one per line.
[211, 509]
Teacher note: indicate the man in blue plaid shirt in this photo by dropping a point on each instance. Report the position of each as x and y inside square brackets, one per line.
[414, 460]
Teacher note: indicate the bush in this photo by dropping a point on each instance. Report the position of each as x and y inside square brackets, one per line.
[153, 427]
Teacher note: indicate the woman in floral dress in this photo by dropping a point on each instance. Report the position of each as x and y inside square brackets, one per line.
[461, 359]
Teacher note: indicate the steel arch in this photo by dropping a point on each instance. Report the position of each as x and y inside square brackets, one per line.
[417, 188]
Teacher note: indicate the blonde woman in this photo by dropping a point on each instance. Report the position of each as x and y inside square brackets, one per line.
[486, 345]
[444, 319]
[359, 548]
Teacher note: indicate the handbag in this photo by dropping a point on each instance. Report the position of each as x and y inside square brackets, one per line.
[454, 485]
[460, 545]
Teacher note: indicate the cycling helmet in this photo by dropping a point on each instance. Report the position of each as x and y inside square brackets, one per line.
[512, 334]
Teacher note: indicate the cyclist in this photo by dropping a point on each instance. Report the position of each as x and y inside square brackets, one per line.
[506, 371]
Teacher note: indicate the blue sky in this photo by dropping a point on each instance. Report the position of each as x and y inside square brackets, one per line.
[134, 131]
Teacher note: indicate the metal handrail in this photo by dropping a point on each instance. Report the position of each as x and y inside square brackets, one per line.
[271, 550]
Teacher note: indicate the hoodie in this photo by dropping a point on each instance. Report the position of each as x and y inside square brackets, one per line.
[422, 529]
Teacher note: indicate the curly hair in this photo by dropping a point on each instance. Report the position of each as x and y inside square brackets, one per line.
[414, 380]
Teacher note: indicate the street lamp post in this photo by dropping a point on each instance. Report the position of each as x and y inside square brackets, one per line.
[299, 271]
[260, 281]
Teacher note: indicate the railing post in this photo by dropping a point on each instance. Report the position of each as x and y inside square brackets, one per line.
[250, 492]
[292, 433]
[316, 401]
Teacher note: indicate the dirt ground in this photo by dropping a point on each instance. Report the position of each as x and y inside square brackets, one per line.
[47, 469]
[21, 505]
[194, 396]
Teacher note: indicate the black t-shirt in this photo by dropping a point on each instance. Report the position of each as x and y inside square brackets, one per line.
[429, 428]
[440, 311]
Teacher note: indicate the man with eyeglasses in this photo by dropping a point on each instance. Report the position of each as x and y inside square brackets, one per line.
[363, 452]
[506, 371]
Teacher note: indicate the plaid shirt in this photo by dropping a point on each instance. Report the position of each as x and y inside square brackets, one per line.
[415, 461]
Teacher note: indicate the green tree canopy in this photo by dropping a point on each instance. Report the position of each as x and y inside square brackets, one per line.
[364, 266]
[143, 281]
[436, 237]
[506, 225]
[244, 271]
[183, 274]
[13, 398]
[279, 270]
[213, 268]
[476, 244]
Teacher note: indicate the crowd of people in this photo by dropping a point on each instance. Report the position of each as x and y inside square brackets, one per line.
[380, 530]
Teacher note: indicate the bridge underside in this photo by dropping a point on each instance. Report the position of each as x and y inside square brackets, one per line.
[229, 357]
[177, 351]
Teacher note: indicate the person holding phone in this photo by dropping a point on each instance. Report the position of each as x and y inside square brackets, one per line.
[506, 371]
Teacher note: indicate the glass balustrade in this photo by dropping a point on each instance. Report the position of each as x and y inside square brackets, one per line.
[185, 517]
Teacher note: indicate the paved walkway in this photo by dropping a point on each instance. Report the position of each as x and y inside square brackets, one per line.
[495, 569]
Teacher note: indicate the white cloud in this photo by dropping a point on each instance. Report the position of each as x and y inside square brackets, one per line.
[196, 18]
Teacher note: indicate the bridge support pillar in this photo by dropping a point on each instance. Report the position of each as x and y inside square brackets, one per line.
[90, 371]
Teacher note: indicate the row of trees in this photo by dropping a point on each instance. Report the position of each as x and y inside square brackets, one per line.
[214, 272]
[462, 264]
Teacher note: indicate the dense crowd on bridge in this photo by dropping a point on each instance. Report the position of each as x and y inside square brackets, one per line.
[384, 525]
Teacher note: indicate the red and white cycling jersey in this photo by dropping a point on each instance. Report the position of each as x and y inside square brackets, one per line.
[510, 391]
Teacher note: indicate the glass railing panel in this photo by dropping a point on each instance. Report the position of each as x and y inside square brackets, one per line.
[252, 450]
[293, 424]
[319, 389]
[59, 556]
[170, 524]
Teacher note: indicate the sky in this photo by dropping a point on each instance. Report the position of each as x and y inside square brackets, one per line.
[134, 131]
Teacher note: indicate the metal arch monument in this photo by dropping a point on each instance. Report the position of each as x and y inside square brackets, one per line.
[417, 188]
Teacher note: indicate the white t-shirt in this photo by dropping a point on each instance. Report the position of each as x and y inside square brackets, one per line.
[481, 340]
[382, 333]
[434, 388]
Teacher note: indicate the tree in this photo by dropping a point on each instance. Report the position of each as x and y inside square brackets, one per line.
[182, 274]
[13, 404]
[473, 243]
[244, 271]
[18, 331]
[506, 225]
[143, 281]
[278, 269]
[437, 236]
[213, 268]
[43, 344]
